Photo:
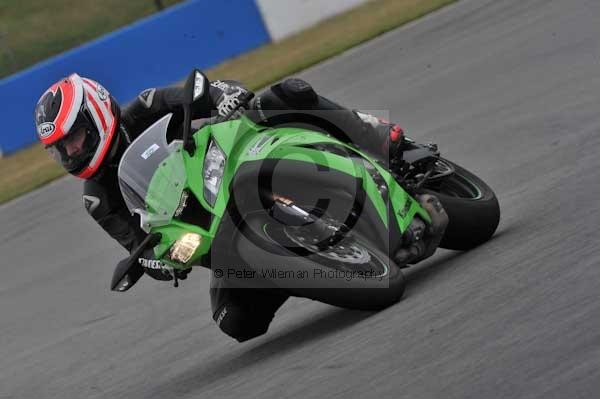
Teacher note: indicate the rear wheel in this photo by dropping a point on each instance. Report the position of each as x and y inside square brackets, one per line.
[471, 205]
[349, 272]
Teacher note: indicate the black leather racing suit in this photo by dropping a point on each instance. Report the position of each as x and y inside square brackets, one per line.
[241, 313]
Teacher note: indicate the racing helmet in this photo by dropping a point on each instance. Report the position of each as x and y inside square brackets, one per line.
[76, 120]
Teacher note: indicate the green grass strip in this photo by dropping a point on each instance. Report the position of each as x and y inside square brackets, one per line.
[33, 30]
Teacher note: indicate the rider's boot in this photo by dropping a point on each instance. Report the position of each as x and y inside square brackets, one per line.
[386, 139]
[386, 142]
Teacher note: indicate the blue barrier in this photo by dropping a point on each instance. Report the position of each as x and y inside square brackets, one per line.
[156, 51]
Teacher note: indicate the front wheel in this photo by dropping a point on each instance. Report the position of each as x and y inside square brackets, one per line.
[350, 273]
[471, 205]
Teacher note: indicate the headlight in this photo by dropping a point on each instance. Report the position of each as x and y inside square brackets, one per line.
[214, 166]
[184, 248]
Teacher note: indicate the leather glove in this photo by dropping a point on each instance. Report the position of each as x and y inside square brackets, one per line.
[229, 100]
[158, 270]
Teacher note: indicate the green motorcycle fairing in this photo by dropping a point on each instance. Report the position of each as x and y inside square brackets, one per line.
[154, 174]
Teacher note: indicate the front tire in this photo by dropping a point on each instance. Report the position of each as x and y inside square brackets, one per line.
[471, 205]
[263, 242]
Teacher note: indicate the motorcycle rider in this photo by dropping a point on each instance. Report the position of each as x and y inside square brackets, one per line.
[84, 129]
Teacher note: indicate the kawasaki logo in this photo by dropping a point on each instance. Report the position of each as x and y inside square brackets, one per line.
[46, 129]
[406, 208]
[258, 146]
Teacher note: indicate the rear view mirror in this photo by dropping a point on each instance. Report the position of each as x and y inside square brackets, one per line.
[129, 271]
[126, 274]
[196, 85]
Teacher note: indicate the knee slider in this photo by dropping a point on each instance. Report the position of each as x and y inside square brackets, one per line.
[239, 325]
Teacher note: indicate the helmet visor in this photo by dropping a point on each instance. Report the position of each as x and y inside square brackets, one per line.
[76, 149]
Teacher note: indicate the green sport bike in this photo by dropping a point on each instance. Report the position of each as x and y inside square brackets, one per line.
[289, 208]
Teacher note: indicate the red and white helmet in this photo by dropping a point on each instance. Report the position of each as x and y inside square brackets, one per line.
[76, 120]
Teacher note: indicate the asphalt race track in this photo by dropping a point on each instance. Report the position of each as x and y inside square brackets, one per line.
[509, 89]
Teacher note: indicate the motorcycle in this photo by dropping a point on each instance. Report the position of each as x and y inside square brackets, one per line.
[290, 208]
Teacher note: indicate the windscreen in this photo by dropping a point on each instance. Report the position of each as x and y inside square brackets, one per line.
[152, 175]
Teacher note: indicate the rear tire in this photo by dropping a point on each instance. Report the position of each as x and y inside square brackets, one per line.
[472, 208]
